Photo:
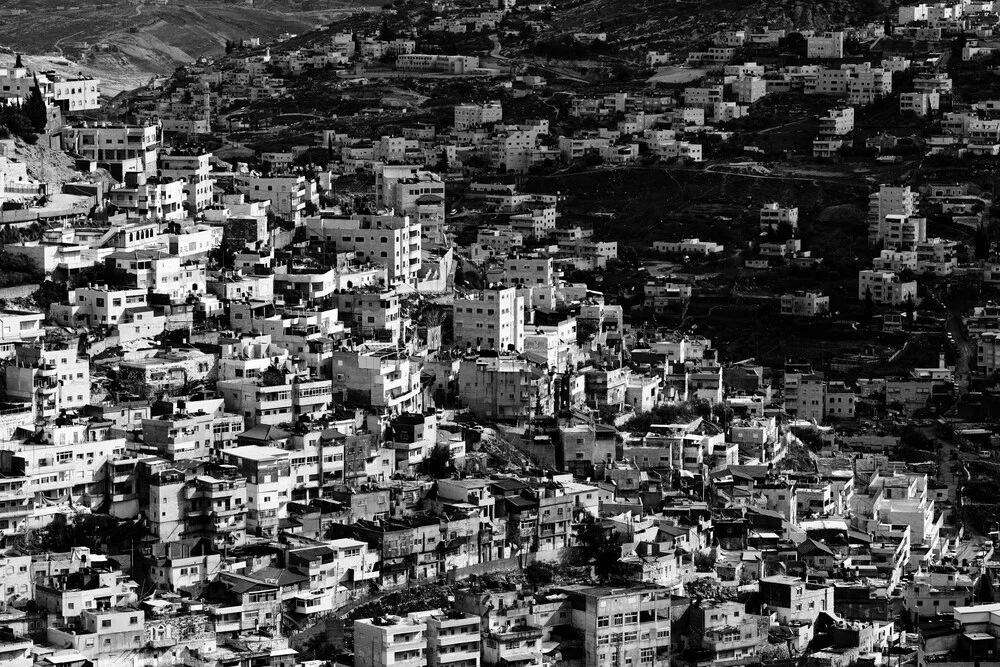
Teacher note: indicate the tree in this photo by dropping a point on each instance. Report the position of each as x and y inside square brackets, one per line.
[48, 293]
[709, 588]
[916, 439]
[982, 243]
[869, 311]
[35, 108]
[385, 33]
[100, 532]
[224, 255]
[911, 308]
[783, 232]
[538, 574]
[17, 62]
[723, 414]
[795, 43]
[441, 463]
[704, 562]
[601, 549]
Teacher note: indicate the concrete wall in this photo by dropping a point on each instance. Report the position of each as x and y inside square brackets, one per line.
[17, 291]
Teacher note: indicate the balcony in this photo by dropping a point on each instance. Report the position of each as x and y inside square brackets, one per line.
[229, 527]
[227, 512]
[460, 638]
[16, 510]
[520, 633]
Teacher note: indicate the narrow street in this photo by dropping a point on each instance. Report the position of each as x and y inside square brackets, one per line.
[965, 350]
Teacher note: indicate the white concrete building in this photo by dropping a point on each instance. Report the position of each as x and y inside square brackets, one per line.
[886, 287]
[492, 320]
[805, 304]
[476, 115]
[772, 215]
[688, 247]
[387, 240]
[903, 232]
[825, 45]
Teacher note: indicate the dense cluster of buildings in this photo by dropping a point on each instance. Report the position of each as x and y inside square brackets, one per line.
[291, 403]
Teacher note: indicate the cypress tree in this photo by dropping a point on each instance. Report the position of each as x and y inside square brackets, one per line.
[35, 109]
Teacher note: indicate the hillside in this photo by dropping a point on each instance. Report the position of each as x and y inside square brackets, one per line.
[655, 23]
[126, 42]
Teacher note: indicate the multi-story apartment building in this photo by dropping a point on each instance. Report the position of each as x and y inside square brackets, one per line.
[391, 641]
[921, 104]
[98, 306]
[723, 632]
[805, 304]
[825, 45]
[500, 240]
[194, 168]
[288, 194]
[504, 388]
[937, 256]
[69, 597]
[268, 473]
[895, 261]
[988, 351]
[120, 148]
[371, 315]
[343, 562]
[839, 401]
[903, 232]
[105, 634]
[278, 396]
[885, 287]
[51, 380]
[623, 625]
[152, 197]
[240, 603]
[703, 97]
[837, 122]
[772, 215]
[378, 374]
[386, 240]
[160, 272]
[535, 223]
[176, 565]
[474, 115]
[889, 200]
[181, 505]
[492, 319]
[661, 295]
[421, 198]
[792, 599]
[18, 326]
[71, 94]
[195, 434]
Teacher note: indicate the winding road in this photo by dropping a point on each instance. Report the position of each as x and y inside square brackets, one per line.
[59, 41]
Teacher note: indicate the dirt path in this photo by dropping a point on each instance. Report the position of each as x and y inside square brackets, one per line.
[63, 39]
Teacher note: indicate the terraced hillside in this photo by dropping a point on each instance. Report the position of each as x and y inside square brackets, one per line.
[652, 23]
[125, 41]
